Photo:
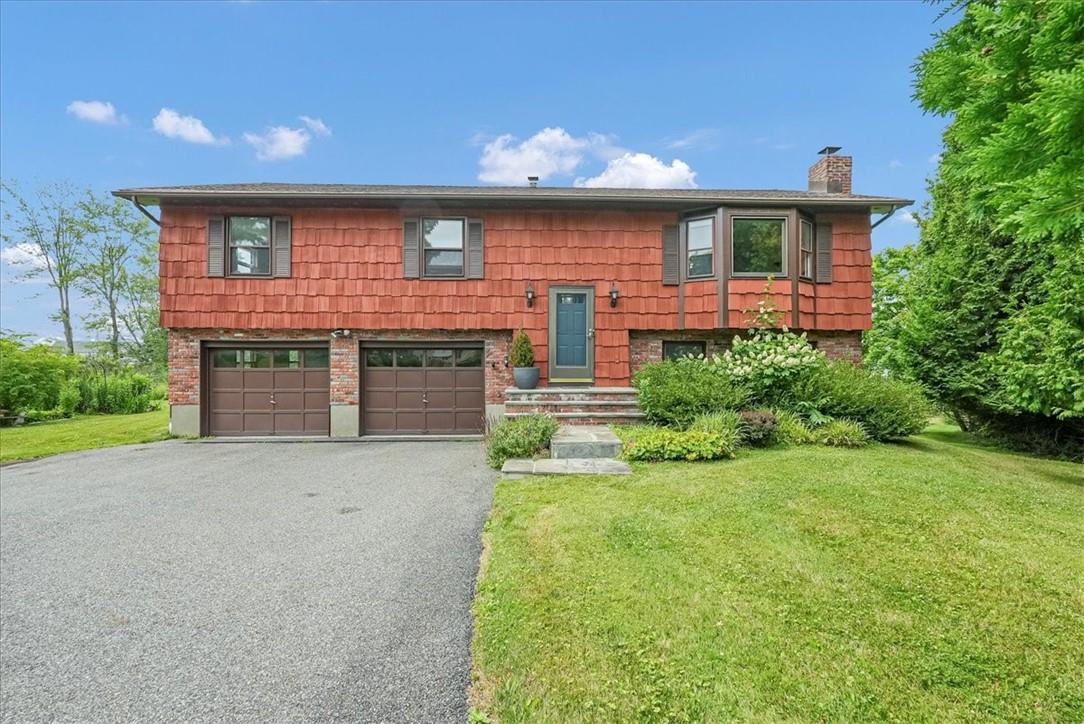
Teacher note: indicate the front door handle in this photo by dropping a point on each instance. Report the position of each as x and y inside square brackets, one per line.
[425, 400]
[273, 400]
[590, 333]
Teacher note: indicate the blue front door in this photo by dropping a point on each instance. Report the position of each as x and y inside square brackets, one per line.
[571, 334]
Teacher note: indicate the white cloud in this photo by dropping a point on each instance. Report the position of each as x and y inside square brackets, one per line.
[700, 138]
[316, 125]
[26, 256]
[279, 143]
[935, 158]
[895, 163]
[906, 217]
[551, 151]
[96, 112]
[172, 124]
[642, 171]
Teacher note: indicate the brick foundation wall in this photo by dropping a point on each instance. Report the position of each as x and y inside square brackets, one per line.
[184, 357]
[646, 347]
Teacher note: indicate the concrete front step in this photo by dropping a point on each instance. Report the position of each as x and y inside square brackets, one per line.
[586, 418]
[577, 442]
[571, 394]
[518, 468]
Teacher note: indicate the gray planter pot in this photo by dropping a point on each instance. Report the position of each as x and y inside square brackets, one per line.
[526, 377]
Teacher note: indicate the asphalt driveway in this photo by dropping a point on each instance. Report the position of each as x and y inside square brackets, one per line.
[241, 582]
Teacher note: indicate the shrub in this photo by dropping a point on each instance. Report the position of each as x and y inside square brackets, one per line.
[664, 444]
[842, 433]
[887, 408]
[726, 423]
[69, 398]
[792, 430]
[759, 428]
[676, 393]
[769, 363]
[115, 394]
[44, 415]
[522, 437]
[522, 352]
[629, 433]
[31, 377]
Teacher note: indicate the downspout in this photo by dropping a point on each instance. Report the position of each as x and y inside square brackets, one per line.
[885, 218]
[143, 210]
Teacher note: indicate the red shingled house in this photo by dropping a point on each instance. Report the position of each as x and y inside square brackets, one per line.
[363, 310]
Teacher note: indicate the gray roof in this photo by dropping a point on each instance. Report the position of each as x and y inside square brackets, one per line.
[357, 194]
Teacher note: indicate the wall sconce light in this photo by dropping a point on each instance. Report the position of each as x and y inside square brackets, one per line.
[530, 294]
[613, 294]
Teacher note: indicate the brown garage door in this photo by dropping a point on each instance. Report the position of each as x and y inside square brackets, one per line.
[418, 390]
[262, 391]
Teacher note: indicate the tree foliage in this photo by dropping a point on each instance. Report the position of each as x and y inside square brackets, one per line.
[993, 323]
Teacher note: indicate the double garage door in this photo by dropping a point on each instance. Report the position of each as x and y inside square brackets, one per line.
[285, 390]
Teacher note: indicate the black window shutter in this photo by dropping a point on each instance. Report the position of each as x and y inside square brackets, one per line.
[671, 257]
[475, 249]
[411, 245]
[824, 253]
[216, 246]
[281, 243]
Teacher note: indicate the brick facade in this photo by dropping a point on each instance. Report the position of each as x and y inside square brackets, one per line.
[646, 347]
[184, 357]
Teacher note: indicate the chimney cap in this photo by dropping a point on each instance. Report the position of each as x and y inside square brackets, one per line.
[828, 150]
[532, 181]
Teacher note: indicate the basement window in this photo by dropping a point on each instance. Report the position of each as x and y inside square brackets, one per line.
[680, 350]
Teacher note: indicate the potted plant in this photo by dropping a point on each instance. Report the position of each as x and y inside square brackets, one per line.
[522, 358]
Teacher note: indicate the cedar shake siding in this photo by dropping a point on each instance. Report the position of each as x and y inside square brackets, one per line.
[347, 272]
[341, 310]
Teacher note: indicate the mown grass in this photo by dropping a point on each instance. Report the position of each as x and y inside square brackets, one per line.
[81, 433]
[934, 580]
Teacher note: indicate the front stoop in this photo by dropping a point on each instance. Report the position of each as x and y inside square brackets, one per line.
[576, 405]
[565, 466]
[584, 441]
[574, 450]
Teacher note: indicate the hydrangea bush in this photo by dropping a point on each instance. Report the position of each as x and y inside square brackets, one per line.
[768, 362]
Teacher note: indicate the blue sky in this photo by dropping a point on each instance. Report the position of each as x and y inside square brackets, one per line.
[735, 95]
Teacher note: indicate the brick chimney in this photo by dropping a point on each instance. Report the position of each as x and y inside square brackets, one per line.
[832, 173]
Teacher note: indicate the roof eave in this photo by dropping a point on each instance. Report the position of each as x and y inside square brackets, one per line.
[154, 197]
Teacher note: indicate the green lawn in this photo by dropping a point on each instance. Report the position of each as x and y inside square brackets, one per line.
[933, 580]
[81, 433]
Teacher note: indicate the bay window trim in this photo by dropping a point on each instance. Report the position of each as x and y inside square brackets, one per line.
[713, 247]
[787, 216]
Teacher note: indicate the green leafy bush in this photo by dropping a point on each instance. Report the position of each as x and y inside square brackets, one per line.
[726, 424]
[665, 444]
[676, 393]
[841, 433]
[44, 415]
[69, 398]
[522, 437]
[887, 408]
[759, 428]
[31, 377]
[792, 429]
[115, 394]
[522, 352]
